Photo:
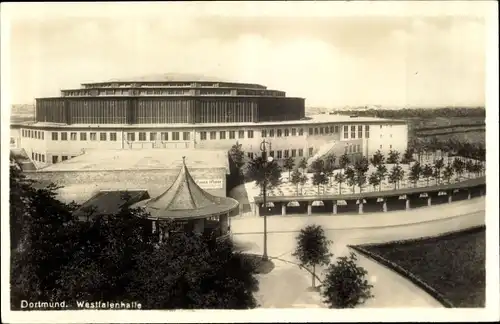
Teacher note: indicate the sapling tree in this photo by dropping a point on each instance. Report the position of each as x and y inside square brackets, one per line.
[312, 249]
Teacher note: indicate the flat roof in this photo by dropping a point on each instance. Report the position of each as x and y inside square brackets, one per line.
[311, 120]
[142, 159]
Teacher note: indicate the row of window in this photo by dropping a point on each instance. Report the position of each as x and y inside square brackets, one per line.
[131, 136]
[282, 132]
[353, 148]
[222, 135]
[32, 134]
[356, 130]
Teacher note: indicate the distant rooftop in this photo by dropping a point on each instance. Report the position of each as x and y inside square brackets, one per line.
[174, 77]
[143, 159]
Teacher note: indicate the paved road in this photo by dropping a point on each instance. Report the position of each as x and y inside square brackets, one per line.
[287, 284]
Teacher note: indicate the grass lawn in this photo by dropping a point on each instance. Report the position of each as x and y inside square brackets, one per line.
[453, 264]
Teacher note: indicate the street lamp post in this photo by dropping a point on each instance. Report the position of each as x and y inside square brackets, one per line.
[265, 160]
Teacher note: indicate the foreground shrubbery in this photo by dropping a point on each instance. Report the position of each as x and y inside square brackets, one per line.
[56, 257]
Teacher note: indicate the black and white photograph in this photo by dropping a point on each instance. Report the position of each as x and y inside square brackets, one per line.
[249, 161]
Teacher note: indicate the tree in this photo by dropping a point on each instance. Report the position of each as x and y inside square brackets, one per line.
[296, 179]
[317, 166]
[360, 180]
[259, 170]
[21, 192]
[344, 161]
[438, 166]
[448, 173]
[407, 156]
[469, 166]
[289, 164]
[340, 178]
[377, 159]
[393, 157]
[302, 164]
[319, 178]
[350, 175]
[458, 166]
[236, 156]
[396, 175]
[330, 165]
[312, 249]
[345, 284]
[427, 172]
[381, 173]
[374, 180]
[116, 257]
[415, 172]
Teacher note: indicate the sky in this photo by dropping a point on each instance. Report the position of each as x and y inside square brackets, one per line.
[330, 59]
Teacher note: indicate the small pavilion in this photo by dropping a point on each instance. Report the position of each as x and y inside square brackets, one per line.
[191, 207]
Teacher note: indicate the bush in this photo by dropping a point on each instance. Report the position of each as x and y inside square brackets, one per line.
[345, 284]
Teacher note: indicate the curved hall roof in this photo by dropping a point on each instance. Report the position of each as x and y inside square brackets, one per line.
[172, 77]
[184, 199]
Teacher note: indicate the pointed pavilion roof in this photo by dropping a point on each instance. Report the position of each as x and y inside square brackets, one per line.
[184, 199]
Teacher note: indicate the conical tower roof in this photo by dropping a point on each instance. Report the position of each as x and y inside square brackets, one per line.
[184, 199]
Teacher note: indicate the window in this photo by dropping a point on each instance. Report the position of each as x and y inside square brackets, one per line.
[286, 153]
[55, 158]
[142, 136]
[152, 136]
[316, 131]
[103, 137]
[186, 136]
[203, 136]
[360, 131]
[294, 132]
[72, 136]
[164, 136]
[64, 136]
[336, 129]
[130, 137]
[287, 132]
[175, 136]
[346, 131]
[222, 135]
[271, 153]
[241, 134]
[54, 136]
[36, 134]
[250, 134]
[380, 146]
[321, 130]
[390, 135]
[250, 155]
[83, 136]
[301, 152]
[327, 130]
[301, 132]
[390, 147]
[232, 134]
[112, 136]
[353, 131]
[367, 131]
[263, 133]
[271, 133]
[294, 152]
[311, 131]
[64, 158]
[358, 148]
[32, 155]
[350, 148]
[380, 126]
[310, 151]
[43, 157]
[279, 132]
[213, 135]
[332, 129]
[279, 154]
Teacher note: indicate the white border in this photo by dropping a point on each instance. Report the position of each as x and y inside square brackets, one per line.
[386, 8]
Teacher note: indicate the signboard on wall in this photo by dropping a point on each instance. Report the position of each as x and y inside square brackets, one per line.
[210, 183]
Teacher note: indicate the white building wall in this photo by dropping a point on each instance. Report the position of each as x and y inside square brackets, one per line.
[385, 137]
